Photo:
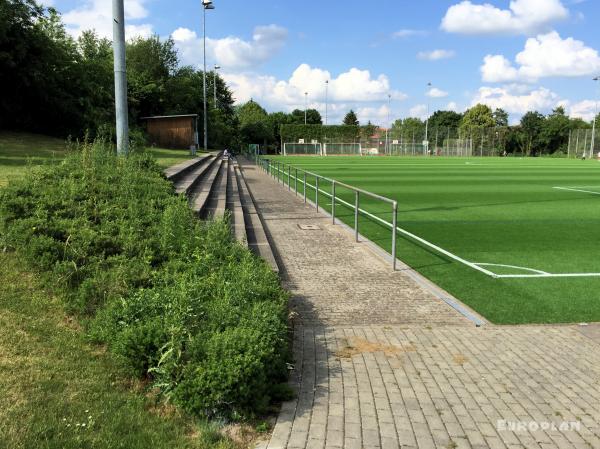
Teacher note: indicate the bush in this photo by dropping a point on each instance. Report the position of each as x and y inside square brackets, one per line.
[175, 299]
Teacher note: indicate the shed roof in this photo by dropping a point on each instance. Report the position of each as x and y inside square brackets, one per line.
[168, 116]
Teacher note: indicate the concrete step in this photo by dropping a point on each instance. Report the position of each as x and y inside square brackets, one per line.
[204, 187]
[216, 202]
[234, 205]
[176, 172]
[257, 238]
[186, 183]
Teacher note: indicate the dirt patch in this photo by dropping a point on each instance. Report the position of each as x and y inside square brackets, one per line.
[355, 346]
[242, 435]
[460, 359]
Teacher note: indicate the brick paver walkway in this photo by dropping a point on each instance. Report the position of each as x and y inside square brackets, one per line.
[380, 362]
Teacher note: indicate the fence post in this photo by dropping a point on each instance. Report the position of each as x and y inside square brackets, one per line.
[356, 206]
[333, 202]
[304, 188]
[394, 226]
[289, 177]
[296, 182]
[317, 192]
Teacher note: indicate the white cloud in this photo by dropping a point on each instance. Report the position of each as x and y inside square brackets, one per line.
[585, 109]
[377, 115]
[352, 86]
[400, 34]
[434, 92]
[517, 99]
[522, 17]
[418, 111]
[547, 55]
[452, 106]
[436, 55]
[97, 15]
[232, 52]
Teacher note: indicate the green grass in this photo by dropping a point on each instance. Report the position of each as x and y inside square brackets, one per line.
[58, 391]
[492, 210]
[18, 150]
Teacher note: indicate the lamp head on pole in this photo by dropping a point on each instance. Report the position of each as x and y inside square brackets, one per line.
[596, 78]
[208, 4]
[217, 67]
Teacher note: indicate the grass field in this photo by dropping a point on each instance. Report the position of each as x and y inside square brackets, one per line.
[506, 215]
[18, 150]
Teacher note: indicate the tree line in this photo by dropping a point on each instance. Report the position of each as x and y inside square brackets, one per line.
[58, 85]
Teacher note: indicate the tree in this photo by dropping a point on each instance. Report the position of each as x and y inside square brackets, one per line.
[367, 131]
[313, 117]
[445, 119]
[479, 116]
[555, 131]
[532, 124]
[254, 123]
[351, 119]
[501, 117]
[408, 129]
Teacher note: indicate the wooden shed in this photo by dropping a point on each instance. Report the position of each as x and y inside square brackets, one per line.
[173, 131]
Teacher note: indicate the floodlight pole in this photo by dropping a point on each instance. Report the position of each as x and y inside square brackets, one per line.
[326, 99]
[120, 69]
[427, 122]
[217, 67]
[305, 106]
[594, 123]
[206, 4]
[389, 125]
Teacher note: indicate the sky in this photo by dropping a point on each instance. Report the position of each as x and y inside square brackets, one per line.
[385, 59]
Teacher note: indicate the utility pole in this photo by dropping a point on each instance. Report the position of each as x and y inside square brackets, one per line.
[217, 67]
[594, 123]
[121, 110]
[206, 4]
[427, 124]
[326, 99]
[387, 137]
[305, 106]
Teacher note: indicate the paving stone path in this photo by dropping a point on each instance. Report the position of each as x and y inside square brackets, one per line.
[382, 362]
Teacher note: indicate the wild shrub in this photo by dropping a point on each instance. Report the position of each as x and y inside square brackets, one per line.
[175, 299]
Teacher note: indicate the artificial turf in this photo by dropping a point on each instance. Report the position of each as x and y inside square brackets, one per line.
[503, 211]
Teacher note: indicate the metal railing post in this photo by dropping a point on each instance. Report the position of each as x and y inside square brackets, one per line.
[394, 230]
[317, 192]
[289, 178]
[356, 206]
[304, 188]
[333, 202]
[296, 182]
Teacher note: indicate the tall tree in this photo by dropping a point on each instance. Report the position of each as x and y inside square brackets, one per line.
[501, 117]
[532, 125]
[479, 116]
[254, 123]
[351, 119]
[313, 117]
[445, 119]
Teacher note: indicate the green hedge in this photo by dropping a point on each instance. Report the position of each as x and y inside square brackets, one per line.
[333, 133]
[176, 299]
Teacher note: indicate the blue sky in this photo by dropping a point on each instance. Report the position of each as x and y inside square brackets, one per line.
[519, 55]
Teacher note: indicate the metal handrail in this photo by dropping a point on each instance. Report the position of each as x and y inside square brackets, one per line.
[269, 166]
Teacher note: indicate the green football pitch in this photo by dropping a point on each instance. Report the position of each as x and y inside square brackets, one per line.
[518, 240]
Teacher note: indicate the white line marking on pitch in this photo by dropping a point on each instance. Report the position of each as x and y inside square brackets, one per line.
[572, 189]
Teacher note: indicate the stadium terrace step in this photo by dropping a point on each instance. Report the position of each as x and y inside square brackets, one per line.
[234, 205]
[176, 172]
[204, 187]
[215, 185]
[257, 238]
[216, 201]
[188, 181]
